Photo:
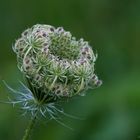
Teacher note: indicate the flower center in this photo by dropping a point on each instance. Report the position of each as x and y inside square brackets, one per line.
[64, 46]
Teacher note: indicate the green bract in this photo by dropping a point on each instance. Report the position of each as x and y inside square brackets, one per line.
[55, 64]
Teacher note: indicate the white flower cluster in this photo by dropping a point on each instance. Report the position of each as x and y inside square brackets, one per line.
[54, 62]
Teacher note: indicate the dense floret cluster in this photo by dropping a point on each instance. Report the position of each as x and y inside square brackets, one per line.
[55, 64]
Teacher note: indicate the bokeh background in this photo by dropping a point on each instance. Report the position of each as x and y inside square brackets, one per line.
[111, 112]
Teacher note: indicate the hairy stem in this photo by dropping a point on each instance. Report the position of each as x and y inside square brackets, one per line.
[30, 127]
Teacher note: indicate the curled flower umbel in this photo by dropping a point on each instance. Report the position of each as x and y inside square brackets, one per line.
[55, 64]
[56, 67]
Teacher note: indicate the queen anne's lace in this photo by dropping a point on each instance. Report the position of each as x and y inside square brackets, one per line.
[55, 64]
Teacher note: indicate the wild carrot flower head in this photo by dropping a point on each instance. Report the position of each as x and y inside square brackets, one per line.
[55, 64]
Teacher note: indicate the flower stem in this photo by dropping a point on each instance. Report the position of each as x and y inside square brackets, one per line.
[30, 127]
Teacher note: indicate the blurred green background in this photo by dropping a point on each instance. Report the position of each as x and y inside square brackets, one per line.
[111, 112]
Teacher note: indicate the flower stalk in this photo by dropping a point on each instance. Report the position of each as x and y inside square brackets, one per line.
[30, 127]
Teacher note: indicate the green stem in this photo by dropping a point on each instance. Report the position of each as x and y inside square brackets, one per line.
[30, 127]
[53, 82]
[81, 85]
